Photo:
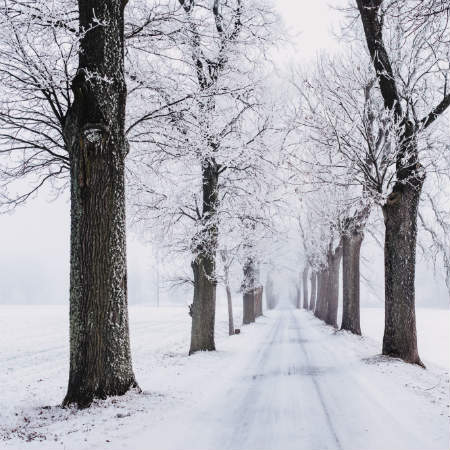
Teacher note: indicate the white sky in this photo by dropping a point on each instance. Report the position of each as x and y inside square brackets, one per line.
[34, 241]
[312, 22]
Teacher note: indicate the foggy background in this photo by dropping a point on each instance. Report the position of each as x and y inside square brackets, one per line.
[34, 240]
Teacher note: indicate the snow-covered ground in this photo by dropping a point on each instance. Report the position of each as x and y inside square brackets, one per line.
[433, 332]
[285, 382]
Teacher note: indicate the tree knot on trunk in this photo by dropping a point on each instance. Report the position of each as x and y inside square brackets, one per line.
[93, 140]
[94, 134]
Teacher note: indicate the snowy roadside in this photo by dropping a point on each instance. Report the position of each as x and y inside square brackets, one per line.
[34, 367]
[433, 332]
[432, 384]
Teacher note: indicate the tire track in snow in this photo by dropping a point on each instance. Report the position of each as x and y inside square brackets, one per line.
[241, 431]
[265, 412]
[369, 409]
[313, 375]
[300, 387]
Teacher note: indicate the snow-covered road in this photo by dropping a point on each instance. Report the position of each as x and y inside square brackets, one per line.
[286, 382]
[302, 391]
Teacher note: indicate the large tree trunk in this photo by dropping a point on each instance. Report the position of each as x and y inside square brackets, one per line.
[203, 306]
[258, 292]
[305, 287]
[334, 264]
[248, 307]
[400, 217]
[312, 301]
[351, 246]
[249, 291]
[322, 294]
[100, 358]
[204, 265]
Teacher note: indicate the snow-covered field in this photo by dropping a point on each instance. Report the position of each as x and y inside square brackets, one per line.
[285, 382]
[433, 332]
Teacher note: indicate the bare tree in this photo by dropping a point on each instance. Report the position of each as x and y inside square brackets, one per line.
[94, 133]
[357, 142]
[400, 210]
[55, 124]
[60, 122]
[194, 169]
[347, 147]
[321, 232]
[39, 45]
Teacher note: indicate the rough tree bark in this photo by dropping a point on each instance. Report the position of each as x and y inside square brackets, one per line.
[305, 286]
[400, 217]
[322, 294]
[204, 264]
[334, 264]
[100, 358]
[248, 307]
[351, 246]
[312, 300]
